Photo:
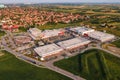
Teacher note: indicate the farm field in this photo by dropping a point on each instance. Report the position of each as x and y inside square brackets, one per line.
[117, 43]
[12, 68]
[93, 65]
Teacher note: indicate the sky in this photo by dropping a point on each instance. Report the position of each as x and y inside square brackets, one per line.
[54, 1]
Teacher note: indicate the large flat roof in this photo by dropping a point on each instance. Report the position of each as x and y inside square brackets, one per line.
[35, 31]
[71, 43]
[22, 39]
[51, 33]
[101, 36]
[82, 30]
[47, 50]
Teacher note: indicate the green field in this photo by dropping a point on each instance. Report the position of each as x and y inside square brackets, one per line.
[117, 43]
[2, 33]
[58, 25]
[52, 26]
[93, 65]
[12, 68]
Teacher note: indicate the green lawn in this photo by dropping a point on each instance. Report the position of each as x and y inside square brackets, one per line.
[52, 26]
[93, 65]
[2, 33]
[12, 68]
[58, 25]
[117, 43]
[22, 29]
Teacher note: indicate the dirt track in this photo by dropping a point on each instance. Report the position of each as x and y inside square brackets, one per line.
[114, 49]
[1, 54]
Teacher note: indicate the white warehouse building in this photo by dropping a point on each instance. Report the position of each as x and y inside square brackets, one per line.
[74, 43]
[35, 33]
[101, 36]
[82, 30]
[52, 33]
[48, 51]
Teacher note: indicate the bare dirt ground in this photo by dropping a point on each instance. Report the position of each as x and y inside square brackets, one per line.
[1, 54]
[114, 49]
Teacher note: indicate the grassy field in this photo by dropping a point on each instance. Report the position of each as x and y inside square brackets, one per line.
[12, 68]
[2, 33]
[58, 25]
[93, 65]
[52, 26]
[117, 43]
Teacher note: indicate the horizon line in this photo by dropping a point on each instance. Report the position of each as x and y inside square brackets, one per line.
[59, 2]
